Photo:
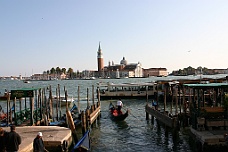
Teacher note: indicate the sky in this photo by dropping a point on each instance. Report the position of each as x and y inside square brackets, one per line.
[36, 35]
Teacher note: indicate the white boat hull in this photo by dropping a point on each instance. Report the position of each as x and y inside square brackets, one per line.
[127, 90]
[63, 101]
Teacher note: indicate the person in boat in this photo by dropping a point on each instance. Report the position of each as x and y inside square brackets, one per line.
[119, 104]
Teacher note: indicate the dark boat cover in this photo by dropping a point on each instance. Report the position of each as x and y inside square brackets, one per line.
[62, 121]
[84, 144]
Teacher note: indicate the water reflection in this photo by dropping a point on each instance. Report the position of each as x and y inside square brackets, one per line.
[121, 124]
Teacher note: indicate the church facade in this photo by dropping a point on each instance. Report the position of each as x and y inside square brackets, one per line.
[121, 70]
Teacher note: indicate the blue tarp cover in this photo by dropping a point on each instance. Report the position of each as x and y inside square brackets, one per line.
[84, 142]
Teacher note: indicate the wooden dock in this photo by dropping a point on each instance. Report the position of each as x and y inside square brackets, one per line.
[161, 116]
[54, 137]
[202, 107]
[170, 123]
[212, 137]
[209, 139]
[29, 121]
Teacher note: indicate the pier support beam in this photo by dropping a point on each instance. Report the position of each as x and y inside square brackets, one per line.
[147, 116]
[166, 131]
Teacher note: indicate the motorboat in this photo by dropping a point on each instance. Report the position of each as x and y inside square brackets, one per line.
[63, 100]
[126, 90]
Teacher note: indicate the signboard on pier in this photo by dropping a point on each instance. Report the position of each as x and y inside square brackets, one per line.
[22, 93]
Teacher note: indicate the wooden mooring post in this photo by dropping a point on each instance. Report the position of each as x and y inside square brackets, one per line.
[90, 115]
[169, 122]
[20, 113]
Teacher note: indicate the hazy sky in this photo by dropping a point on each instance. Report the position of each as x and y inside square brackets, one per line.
[36, 35]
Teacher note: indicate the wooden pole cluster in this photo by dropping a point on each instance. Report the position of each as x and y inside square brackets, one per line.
[91, 113]
[176, 101]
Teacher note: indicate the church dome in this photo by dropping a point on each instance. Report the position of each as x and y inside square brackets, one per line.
[124, 62]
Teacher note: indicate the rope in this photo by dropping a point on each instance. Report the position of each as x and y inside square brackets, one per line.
[131, 114]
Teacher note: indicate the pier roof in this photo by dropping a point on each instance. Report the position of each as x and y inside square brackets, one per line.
[26, 89]
[23, 92]
[208, 85]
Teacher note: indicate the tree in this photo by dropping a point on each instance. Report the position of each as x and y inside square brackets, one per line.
[70, 72]
[64, 70]
[58, 70]
[52, 70]
[199, 70]
[78, 74]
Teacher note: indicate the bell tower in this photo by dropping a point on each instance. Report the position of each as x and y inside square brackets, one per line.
[100, 59]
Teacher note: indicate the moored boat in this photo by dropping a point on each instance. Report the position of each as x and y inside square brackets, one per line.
[126, 90]
[117, 115]
[62, 121]
[5, 95]
[63, 101]
[69, 101]
[83, 144]
[26, 81]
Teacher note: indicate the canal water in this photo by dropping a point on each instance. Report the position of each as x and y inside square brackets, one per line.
[133, 134]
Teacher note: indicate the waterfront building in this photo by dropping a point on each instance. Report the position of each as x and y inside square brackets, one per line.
[155, 72]
[220, 71]
[46, 76]
[88, 74]
[123, 70]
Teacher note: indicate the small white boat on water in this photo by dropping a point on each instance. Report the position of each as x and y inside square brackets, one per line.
[26, 81]
[63, 101]
[126, 90]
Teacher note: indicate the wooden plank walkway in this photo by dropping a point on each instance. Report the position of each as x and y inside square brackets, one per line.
[164, 118]
[210, 137]
[53, 137]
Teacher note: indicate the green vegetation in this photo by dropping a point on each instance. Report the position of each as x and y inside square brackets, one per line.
[192, 71]
[70, 72]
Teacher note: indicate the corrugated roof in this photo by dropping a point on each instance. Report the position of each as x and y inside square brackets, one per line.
[26, 89]
[207, 85]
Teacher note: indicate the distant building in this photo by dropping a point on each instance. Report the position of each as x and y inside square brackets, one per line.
[220, 71]
[10, 78]
[155, 72]
[48, 76]
[88, 74]
[117, 71]
[203, 71]
[123, 70]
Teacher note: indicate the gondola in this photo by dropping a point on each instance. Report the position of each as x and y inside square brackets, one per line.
[117, 115]
[3, 116]
[62, 122]
[83, 145]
